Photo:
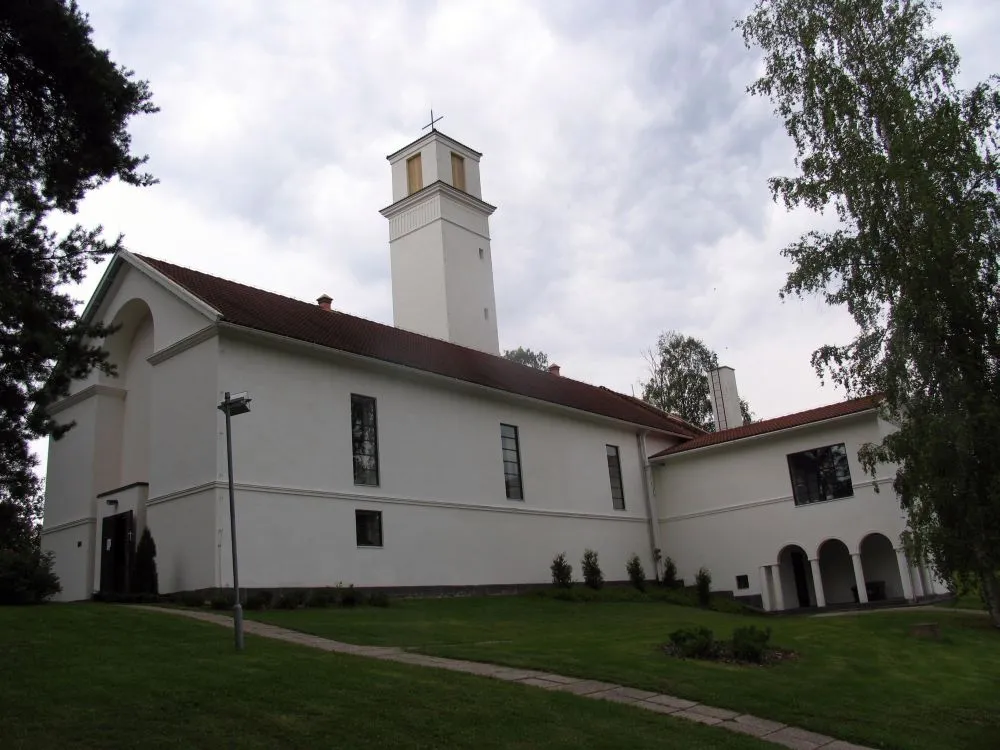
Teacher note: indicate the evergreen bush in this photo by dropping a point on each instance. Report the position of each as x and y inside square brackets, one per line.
[562, 572]
[703, 585]
[146, 579]
[592, 575]
[669, 573]
[636, 573]
[750, 643]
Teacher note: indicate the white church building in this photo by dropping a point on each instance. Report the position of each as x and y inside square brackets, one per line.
[413, 456]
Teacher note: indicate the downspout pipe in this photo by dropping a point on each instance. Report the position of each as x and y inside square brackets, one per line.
[647, 491]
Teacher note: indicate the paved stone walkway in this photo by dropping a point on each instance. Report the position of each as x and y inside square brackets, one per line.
[771, 731]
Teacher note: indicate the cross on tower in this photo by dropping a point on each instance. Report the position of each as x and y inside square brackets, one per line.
[433, 120]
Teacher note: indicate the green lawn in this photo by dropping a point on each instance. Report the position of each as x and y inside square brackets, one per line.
[863, 678]
[103, 676]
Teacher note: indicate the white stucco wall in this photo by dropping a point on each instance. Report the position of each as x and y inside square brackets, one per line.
[152, 423]
[185, 529]
[137, 376]
[419, 302]
[446, 517]
[730, 507]
[469, 284]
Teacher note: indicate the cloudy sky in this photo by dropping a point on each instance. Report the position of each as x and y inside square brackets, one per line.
[628, 165]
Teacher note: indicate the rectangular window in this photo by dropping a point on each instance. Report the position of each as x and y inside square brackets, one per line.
[820, 474]
[414, 175]
[511, 447]
[458, 171]
[615, 473]
[369, 527]
[742, 582]
[364, 438]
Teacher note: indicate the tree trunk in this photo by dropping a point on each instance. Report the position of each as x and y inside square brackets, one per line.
[990, 586]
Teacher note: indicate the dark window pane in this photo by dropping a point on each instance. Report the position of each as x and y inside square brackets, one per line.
[742, 582]
[615, 476]
[364, 440]
[510, 451]
[369, 527]
[820, 474]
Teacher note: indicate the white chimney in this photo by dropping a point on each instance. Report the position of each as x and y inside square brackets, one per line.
[325, 302]
[724, 397]
[554, 369]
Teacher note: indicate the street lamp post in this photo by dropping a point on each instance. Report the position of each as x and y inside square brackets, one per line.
[239, 403]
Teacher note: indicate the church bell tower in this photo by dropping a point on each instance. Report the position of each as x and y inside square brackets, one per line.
[439, 243]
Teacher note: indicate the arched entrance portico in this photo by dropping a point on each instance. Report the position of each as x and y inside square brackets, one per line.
[881, 566]
[795, 578]
[837, 572]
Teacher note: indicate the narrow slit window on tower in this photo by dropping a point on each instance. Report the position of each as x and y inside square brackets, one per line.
[480, 253]
[414, 174]
[486, 313]
[458, 171]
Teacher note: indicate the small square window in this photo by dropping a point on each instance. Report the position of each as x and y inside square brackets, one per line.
[369, 527]
[742, 582]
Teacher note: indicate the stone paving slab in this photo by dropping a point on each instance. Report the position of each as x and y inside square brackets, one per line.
[716, 713]
[769, 731]
[798, 739]
[752, 725]
[657, 707]
[541, 682]
[668, 700]
[700, 718]
[586, 687]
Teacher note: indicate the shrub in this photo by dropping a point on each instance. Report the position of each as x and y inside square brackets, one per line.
[636, 574]
[350, 597]
[258, 600]
[703, 585]
[290, 599]
[26, 575]
[190, 599]
[694, 643]
[319, 598]
[378, 599]
[221, 601]
[592, 575]
[750, 643]
[146, 579]
[669, 573]
[657, 556]
[562, 571]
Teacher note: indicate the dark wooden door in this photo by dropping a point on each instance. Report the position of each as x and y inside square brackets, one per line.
[117, 552]
[801, 583]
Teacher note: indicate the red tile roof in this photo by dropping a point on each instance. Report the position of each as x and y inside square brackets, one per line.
[265, 311]
[844, 408]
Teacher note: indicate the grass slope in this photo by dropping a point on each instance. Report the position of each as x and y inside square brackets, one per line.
[102, 676]
[862, 678]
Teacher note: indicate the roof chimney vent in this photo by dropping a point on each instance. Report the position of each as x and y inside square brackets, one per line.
[324, 302]
[553, 369]
[725, 399]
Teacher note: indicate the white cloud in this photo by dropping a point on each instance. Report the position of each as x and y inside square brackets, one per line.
[627, 162]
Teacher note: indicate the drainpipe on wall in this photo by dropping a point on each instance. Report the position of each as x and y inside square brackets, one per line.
[647, 491]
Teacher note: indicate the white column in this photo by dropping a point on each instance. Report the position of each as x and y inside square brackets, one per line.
[904, 574]
[817, 582]
[765, 588]
[859, 578]
[779, 592]
[918, 585]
